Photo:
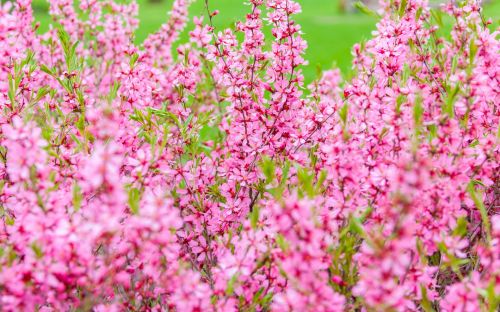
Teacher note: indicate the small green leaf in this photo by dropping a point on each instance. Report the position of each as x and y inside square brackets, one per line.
[12, 89]
[37, 250]
[256, 296]
[9, 220]
[321, 181]
[343, 113]
[133, 59]
[399, 101]
[449, 107]
[425, 303]
[230, 285]
[134, 198]
[454, 64]
[492, 296]
[282, 243]
[254, 216]
[208, 133]
[47, 70]
[402, 8]
[268, 169]
[80, 123]
[306, 181]
[357, 227]
[43, 91]
[365, 10]
[77, 197]
[113, 91]
[278, 191]
[267, 299]
[418, 111]
[482, 209]
[419, 13]
[473, 51]
[461, 228]
[366, 214]
[436, 14]
[432, 131]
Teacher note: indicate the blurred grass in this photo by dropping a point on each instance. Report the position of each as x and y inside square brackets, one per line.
[330, 35]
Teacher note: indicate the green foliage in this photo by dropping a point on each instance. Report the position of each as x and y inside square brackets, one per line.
[365, 10]
[478, 201]
[134, 198]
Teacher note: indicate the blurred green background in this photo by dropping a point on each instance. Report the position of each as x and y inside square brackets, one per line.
[330, 33]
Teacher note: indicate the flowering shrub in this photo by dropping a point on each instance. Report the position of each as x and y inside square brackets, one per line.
[205, 176]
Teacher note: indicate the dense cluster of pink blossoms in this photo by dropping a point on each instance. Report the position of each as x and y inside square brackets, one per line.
[205, 176]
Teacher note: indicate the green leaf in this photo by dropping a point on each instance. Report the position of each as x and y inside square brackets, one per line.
[80, 124]
[278, 191]
[113, 91]
[436, 14]
[421, 251]
[268, 169]
[419, 13]
[9, 220]
[165, 114]
[47, 70]
[473, 51]
[43, 91]
[482, 209]
[77, 197]
[492, 296]
[343, 113]
[461, 228]
[230, 285]
[418, 111]
[402, 8]
[133, 59]
[399, 101]
[11, 257]
[367, 213]
[77, 141]
[256, 296]
[81, 99]
[63, 38]
[306, 180]
[432, 131]
[267, 299]
[134, 198]
[365, 10]
[425, 303]
[37, 250]
[321, 181]
[357, 227]
[449, 107]
[12, 89]
[282, 243]
[208, 133]
[454, 64]
[254, 216]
